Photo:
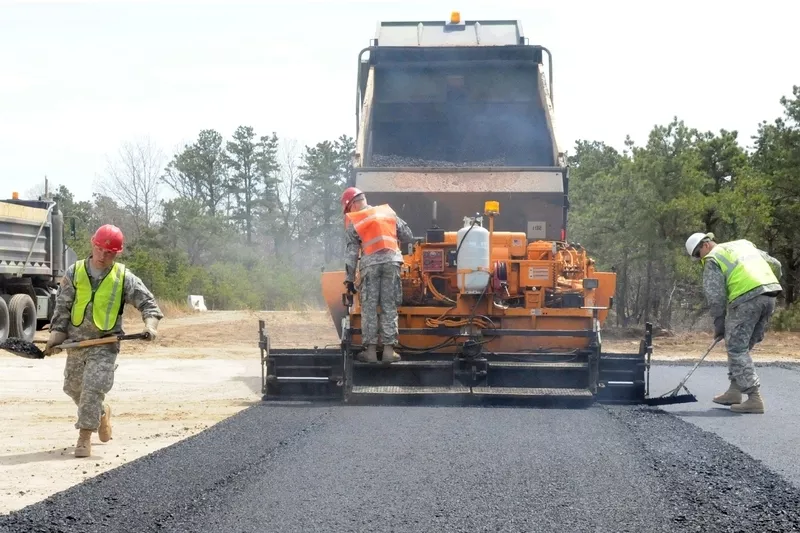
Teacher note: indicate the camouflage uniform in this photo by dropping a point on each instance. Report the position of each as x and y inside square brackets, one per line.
[380, 284]
[89, 372]
[746, 319]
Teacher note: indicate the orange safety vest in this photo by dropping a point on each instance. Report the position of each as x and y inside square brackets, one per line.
[376, 227]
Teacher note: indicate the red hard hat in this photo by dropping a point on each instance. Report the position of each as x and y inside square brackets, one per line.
[347, 197]
[109, 237]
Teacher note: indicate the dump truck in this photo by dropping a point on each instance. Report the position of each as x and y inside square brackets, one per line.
[33, 258]
[456, 132]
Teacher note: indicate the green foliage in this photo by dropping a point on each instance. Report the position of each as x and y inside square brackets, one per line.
[634, 210]
[253, 223]
[241, 229]
[787, 319]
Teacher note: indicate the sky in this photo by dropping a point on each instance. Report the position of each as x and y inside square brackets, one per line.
[78, 79]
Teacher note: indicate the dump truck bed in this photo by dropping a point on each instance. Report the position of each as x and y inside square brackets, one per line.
[460, 114]
[21, 253]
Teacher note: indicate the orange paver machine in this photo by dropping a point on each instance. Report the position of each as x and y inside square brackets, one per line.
[456, 133]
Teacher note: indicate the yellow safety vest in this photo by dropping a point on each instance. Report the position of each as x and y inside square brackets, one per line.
[106, 300]
[743, 267]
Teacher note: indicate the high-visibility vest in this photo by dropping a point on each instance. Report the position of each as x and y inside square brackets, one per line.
[743, 267]
[376, 227]
[106, 300]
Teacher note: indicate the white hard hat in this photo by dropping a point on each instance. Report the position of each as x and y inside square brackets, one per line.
[694, 240]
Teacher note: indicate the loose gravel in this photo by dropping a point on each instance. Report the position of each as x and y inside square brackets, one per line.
[381, 160]
[323, 468]
[714, 486]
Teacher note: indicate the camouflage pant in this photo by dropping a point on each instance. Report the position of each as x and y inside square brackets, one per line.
[88, 376]
[380, 285]
[745, 325]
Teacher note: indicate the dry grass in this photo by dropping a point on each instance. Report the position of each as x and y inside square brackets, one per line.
[171, 309]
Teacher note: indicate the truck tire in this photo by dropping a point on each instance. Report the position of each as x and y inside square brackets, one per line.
[23, 317]
[5, 320]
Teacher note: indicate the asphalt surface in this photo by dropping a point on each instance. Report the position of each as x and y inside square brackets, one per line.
[449, 469]
[773, 437]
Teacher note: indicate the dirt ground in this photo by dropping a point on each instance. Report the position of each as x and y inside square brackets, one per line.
[203, 368]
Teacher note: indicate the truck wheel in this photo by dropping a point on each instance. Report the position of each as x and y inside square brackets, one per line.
[5, 321]
[23, 317]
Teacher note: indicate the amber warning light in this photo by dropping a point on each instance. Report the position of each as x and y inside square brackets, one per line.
[455, 17]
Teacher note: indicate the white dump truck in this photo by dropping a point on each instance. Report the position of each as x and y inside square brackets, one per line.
[33, 257]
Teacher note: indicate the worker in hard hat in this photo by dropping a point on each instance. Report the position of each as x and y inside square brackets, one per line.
[89, 305]
[741, 284]
[375, 233]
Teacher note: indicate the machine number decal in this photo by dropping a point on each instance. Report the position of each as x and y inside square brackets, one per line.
[537, 230]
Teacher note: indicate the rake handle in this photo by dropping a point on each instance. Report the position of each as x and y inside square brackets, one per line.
[103, 340]
[697, 364]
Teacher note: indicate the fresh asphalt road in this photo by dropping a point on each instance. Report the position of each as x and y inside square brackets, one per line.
[773, 437]
[448, 469]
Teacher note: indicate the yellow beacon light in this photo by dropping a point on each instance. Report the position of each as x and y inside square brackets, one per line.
[455, 17]
[491, 207]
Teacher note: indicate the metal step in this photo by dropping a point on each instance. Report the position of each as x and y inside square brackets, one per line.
[555, 365]
[405, 364]
[532, 392]
[546, 365]
[301, 379]
[395, 390]
[478, 391]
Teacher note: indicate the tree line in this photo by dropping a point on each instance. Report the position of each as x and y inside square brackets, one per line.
[248, 222]
[251, 221]
[634, 209]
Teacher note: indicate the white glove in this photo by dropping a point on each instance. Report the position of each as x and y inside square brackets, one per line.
[151, 327]
[56, 338]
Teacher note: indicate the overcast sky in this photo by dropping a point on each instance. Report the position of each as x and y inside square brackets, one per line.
[78, 79]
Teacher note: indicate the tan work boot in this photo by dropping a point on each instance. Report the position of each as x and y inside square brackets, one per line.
[104, 431]
[388, 354]
[84, 446]
[754, 403]
[369, 355]
[731, 396]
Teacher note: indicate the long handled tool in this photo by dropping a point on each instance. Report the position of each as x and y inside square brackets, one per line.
[672, 397]
[29, 350]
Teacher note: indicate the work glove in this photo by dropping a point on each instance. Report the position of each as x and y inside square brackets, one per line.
[719, 328]
[151, 327]
[55, 338]
[351, 288]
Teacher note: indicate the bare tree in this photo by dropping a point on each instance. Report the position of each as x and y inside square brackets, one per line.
[40, 189]
[133, 180]
[288, 213]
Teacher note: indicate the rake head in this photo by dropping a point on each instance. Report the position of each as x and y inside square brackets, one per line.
[671, 400]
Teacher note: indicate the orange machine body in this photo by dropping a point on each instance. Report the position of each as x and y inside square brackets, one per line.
[536, 285]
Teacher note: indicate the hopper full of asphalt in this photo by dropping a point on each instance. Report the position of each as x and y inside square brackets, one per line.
[390, 160]
[344, 468]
